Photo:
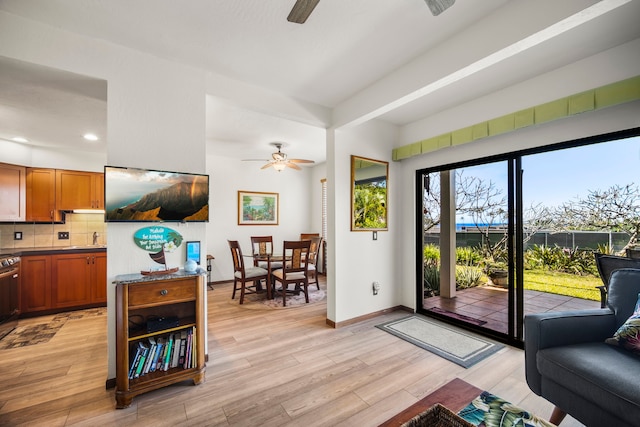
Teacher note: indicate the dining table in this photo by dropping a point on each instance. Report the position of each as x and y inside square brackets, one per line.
[269, 258]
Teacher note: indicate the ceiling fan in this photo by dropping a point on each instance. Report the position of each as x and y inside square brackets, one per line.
[280, 161]
[303, 8]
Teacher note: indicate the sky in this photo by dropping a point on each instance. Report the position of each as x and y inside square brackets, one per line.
[561, 176]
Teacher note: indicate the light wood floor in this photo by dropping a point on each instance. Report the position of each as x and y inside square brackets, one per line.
[266, 368]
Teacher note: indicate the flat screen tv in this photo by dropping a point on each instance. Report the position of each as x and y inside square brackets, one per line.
[132, 194]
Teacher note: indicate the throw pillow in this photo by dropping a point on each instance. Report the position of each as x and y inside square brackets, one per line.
[628, 335]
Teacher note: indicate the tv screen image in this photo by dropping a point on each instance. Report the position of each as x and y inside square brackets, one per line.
[132, 194]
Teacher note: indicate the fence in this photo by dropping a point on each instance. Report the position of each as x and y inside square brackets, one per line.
[577, 239]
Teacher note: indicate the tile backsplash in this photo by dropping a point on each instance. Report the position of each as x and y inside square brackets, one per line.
[79, 226]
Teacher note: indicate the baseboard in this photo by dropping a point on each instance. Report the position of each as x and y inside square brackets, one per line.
[368, 316]
[111, 383]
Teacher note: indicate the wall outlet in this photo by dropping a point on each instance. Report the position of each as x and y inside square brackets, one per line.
[17, 235]
[376, 287]
[63, 235]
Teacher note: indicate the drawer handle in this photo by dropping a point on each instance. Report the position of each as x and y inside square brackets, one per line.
[164, 292]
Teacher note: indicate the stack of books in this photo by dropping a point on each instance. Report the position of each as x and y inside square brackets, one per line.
[164, 352]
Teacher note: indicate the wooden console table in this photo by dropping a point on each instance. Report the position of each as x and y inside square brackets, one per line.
[158, 309]
[455, 395]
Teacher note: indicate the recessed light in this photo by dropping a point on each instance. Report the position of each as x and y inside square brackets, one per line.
[20, 139]
[90, 137]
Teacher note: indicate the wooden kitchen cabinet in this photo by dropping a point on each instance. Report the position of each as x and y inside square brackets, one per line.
[12, 192]
[79, 279]
[35, 283]
[61, 282]
[41, 195]
[98, 278]
[79, 190]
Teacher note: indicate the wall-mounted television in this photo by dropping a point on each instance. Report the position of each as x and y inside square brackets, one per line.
[132, 194]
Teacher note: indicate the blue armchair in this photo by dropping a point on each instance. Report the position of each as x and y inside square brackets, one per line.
[568, 362]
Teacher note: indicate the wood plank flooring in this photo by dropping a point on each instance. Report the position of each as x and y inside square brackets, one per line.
[266, 368]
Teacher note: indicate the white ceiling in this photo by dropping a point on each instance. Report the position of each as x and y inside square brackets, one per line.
[348, 53]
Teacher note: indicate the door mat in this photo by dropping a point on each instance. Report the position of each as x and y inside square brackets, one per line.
[453, 344]
[458, 316]
[26, 335]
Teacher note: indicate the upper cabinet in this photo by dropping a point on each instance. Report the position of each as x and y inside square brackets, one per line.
[79, 190]
[12, 192]
[41, 195]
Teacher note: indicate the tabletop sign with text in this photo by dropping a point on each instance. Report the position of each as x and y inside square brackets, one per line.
[153, 239]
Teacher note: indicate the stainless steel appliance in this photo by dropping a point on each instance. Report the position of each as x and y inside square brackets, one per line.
[9, 293]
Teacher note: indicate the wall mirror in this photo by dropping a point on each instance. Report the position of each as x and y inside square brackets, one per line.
[369, 195]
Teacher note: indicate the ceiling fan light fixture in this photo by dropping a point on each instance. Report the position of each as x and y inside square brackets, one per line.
[279, 166]
[439, 6]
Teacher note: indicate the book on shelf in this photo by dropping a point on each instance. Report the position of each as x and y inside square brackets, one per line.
[152, 350]
[157, 355]
[176, 351]
[167, 358]
[183, 347]
[134, 362]
[143, 358]
[194, 354]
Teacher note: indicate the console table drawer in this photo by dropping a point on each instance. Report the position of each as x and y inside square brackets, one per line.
[161, 292]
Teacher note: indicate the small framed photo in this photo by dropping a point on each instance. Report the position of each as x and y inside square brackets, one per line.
[193, 251]
[256, 208]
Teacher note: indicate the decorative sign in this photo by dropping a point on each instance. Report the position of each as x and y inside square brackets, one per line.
[155, 239]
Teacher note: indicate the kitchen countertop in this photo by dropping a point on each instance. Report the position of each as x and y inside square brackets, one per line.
[52, 250]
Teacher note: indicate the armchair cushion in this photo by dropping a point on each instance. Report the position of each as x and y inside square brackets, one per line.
[628, 335]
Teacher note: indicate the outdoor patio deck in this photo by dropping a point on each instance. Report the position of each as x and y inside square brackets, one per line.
[488, 304]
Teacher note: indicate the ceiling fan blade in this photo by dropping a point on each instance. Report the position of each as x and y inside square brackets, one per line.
[301, 161]
[267, 165]
[255, 160]
[439, 6]
[301, 11]
[293, 166]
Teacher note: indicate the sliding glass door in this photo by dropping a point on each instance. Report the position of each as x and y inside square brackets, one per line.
[502, 237]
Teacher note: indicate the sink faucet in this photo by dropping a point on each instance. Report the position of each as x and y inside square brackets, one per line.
[95, 238]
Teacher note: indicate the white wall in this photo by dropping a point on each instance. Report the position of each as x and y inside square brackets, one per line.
[608, 120]
[228, 176]
[355, 260]
[156, 119]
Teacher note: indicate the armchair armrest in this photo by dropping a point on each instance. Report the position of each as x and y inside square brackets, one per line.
[553, 329]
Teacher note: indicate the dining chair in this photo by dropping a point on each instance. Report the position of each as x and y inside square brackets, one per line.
[243, 275]
[295, 269]
[633, 253]
[314, 250]
[261, 247]
[606, 265]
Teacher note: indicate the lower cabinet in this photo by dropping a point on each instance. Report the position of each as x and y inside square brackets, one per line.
[64, 281]
[35, 283]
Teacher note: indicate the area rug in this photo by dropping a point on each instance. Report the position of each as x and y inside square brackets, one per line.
[260, 302]
[492, 411]
[458, 316]
[26, 335]
[453, 344]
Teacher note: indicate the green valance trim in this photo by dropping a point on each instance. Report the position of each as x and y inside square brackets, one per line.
[594, 99]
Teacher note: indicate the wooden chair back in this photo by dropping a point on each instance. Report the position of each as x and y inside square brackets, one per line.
[261, 245]
[236, 255]
[297, 257]
[308, 236]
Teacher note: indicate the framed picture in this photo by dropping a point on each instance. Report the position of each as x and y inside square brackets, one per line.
[193, 251]
[255, 208]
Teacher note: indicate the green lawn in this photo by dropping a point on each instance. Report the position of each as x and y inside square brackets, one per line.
[563, 284]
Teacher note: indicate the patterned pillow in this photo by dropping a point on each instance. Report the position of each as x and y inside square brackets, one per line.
[628, 335]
